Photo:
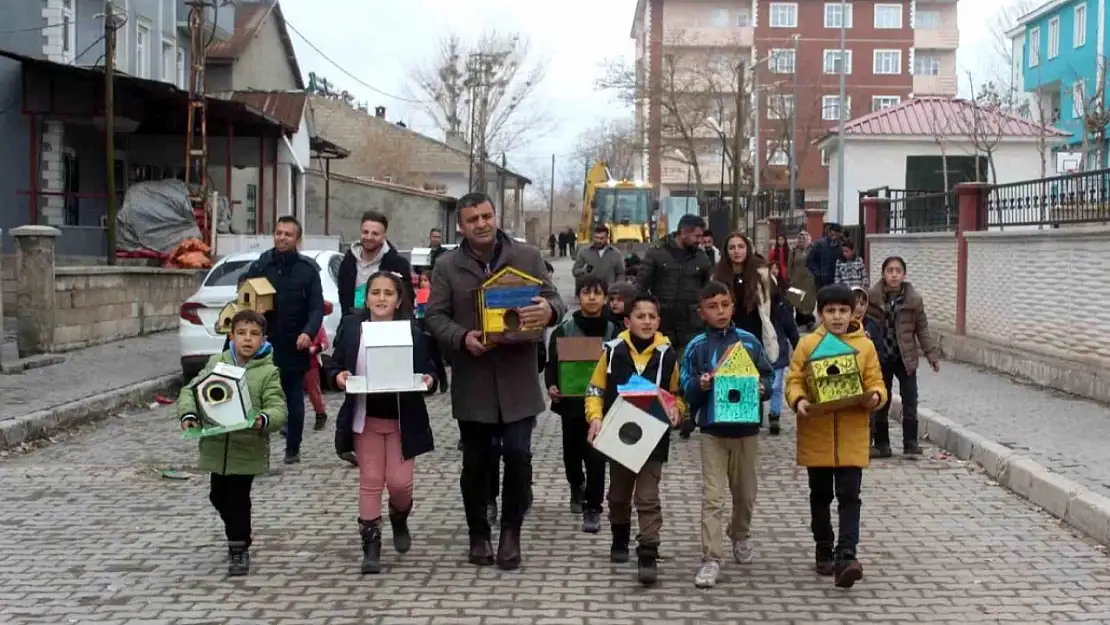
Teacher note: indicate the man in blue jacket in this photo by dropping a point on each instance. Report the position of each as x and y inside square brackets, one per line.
[294, 321]
[822, 258]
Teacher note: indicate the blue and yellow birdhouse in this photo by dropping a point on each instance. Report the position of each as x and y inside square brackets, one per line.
[735, 389]
[833, 376]
[500, 299]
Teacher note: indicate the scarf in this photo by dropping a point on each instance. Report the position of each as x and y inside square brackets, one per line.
[591, 326]
[893, 306]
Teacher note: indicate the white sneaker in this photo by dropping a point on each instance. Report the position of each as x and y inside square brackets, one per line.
[742, 551]
[707, 574]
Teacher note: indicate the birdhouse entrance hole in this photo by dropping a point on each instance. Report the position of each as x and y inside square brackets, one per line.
[511, 319]
[630, 433]
[217, 393]
[733, 396]
[833, 370]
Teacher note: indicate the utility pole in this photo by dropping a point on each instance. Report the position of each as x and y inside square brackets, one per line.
[843, 114]
[551, 201]
[110, 122]
[483, 76]
[794, 129]
[737, 143]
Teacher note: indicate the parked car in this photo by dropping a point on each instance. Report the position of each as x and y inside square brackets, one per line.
[196, 328]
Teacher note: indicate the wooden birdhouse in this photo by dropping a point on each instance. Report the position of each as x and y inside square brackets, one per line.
[635, 423]
[833, 376]
[500, 299]
[578, 356]
[735, 389]
[387, 360]
[223, 401]
[256, 294]
[227, 313]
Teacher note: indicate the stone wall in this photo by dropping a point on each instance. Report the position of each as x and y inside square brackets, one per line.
[102, 304]
[930, 266]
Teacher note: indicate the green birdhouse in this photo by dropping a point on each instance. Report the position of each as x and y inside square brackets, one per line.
[833, 376]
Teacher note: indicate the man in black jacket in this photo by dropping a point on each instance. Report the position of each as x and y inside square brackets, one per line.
[371, 253]
[294, 321]
[435, 241]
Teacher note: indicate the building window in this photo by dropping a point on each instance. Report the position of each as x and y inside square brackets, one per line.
[1053, 37]
[169, 70]
[1079, 25]
[835, 18]
[833, 62]
[830, 108]
[1034, 47]
[179, 65]
[888, 16]
[824, 158]
[69, 31]
[925, 64]
[252, 208]
[743, 17]
[888, 62]
[1078, 99]
[780, 106]
[881, 102]
[782, 61]
[927, 20]
[784, 15]
[778, 155]
[719, 18]
[142, 51]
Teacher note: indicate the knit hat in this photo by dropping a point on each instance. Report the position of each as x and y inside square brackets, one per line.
[626, 290]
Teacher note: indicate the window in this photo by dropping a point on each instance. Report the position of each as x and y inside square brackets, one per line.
[1079, 26]
[1078, 98]
[830, 108]
[1034, 47]
[888, 16]
[778, 155]
[881, 102]
[1053, 37]
[169, 70]
[142, 51]
[69, 31]
[780, 106]
[925, 64]
[888, 62]
[927, 20]
[824, 158]
[252, 208]
[743, 17]
[784, 15]
[833, 62]
[719, 18]
[782, 61]
[180, 67]
[835, 18]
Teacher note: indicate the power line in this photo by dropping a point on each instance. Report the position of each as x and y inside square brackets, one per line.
[32, 29]
[349, 74]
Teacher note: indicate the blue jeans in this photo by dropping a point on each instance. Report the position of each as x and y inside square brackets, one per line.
[776, 391]
[292, 382]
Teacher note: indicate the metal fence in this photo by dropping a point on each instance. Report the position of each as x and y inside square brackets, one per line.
[1078, 198]
[922, 211]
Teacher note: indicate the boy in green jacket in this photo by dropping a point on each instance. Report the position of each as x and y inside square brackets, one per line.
[235, 458]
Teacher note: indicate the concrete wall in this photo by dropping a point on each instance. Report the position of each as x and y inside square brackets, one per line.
[103, 304]
[930, 267]
[411, 213]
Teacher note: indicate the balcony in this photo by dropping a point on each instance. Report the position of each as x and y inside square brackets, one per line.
[936, 39]
[686, 36]
[934, 85]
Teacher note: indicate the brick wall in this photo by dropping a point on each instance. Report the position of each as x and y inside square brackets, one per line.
[930, 267]
[102, 304]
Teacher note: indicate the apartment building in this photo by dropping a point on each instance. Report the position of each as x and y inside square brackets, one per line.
[893, 50]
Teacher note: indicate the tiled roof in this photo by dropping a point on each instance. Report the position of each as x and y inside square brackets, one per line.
[285, 107]
[931, 116]
[249, 19]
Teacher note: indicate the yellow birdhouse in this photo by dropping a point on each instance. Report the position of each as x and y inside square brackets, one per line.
[500, 299]
[227, 313]
[833, 376]
[256, 294]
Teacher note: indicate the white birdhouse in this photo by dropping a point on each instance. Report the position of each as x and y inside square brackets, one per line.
[223, 398]
[387, 348]
[628, 434]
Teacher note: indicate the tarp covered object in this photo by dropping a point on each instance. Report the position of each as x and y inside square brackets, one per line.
[157, 216]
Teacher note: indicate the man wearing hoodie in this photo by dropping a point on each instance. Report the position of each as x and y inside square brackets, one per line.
[371, 253]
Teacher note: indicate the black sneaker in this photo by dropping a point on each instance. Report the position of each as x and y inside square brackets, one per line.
[848, 572]
[911, 449]
[881, 451]
[321, 421]
[292, 458]
[591, 522]
[239, 560]
[825, 562]
[647, 565]
[576, 501]
[349, 457]
[774, 428]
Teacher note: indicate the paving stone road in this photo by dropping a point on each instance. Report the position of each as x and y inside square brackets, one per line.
[92, 535]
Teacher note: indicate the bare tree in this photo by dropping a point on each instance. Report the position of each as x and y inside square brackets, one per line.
[941, 126]
[1094, 114]
[983, 123]
[485, 91]
[614, 142]
[1007, 13]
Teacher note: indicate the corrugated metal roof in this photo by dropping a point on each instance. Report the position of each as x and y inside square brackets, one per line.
[287, 108]
[933, 116]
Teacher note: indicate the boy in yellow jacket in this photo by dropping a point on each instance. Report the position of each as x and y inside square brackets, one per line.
[835, 448]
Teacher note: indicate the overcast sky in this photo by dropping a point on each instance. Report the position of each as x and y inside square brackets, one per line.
[378, 40]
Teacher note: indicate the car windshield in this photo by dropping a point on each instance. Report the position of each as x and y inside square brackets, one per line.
[227, 273]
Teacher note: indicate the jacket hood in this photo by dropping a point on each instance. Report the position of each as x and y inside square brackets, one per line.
[855, 331]
[657, 342]
[264, 355]
[626, 290]
[356, 251]
[877, 296]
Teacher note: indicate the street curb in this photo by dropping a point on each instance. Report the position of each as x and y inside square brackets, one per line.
[1063, 498]
[43, 423]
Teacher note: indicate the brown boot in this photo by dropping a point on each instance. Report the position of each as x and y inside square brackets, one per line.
[508, 549]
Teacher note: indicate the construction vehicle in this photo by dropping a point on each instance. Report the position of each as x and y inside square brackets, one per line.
[625, 207]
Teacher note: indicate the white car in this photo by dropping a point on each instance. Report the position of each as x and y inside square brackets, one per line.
[196, 329]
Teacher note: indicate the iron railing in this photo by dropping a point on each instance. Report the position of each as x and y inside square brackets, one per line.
[1079, 198]
[921, 211]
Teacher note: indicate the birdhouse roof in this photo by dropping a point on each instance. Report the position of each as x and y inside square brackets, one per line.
[510, 276]
[736, 361]
[832, 346]
[224, 370]
[260, 286]
[386, 334]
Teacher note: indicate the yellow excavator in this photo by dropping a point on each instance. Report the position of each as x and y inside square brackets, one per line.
[622, 205]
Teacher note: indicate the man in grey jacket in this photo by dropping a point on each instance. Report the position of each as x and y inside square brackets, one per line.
[600, 259]
[496, 391]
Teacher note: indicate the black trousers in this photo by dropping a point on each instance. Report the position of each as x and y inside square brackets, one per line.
[844, 484]
[578, 454]
[479, 444]
[907, 386]
[231, 496]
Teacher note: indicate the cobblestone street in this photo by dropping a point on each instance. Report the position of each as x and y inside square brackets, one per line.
[93, 534]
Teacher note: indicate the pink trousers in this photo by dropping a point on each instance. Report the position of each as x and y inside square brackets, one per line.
[381, 467]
